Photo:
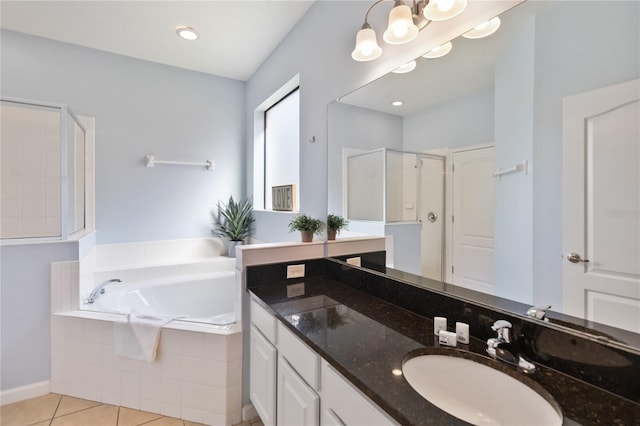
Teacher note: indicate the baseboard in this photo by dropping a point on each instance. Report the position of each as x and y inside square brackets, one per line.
[249, 412]
[9, 396]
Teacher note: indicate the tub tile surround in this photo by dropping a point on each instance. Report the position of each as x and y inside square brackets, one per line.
[196, 376]
[151, 260]
[591, 390]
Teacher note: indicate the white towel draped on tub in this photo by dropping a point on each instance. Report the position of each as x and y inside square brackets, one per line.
[138, 337]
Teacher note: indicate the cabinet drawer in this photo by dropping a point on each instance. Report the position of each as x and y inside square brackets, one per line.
[305, 361]
[343, 404]
[264, 321]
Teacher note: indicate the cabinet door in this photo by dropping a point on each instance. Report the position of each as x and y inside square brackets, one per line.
[262, 377]
[342, 404]
[298, 404]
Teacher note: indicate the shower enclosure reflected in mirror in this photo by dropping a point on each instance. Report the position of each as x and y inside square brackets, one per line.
[398, 194]
[502, 111]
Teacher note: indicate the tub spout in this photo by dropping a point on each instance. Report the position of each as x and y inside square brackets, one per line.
[100, 289]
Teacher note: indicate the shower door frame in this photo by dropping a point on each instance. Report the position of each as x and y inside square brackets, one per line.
[65, 113]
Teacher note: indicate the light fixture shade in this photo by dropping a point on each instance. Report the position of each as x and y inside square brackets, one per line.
[439, 51]
[367, 48]
[403, 69]
[441, 10]
[485, 29]
[401, 28]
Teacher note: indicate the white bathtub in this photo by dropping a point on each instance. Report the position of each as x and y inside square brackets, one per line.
[208, 298]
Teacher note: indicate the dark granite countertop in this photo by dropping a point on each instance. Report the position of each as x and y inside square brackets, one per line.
[366, 338]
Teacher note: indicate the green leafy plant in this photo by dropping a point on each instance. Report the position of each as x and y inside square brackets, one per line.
[305, 223]
[234, 219]
[336, 223]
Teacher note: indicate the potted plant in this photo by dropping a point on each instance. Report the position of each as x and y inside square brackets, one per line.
[307, 226]
[233, 221]
[335, 223]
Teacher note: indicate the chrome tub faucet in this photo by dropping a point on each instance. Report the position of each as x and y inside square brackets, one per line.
[101, 289]
[503, 348]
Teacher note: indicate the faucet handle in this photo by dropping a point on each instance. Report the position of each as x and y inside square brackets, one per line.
[502, 327]
[538, 312]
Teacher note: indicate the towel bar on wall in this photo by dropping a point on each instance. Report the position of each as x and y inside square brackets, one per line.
[520, 167]
[150, 161]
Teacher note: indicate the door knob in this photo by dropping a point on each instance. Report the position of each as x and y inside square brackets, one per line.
[432, 216]
[575, 258]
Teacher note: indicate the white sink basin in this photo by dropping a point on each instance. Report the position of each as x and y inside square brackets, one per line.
[477, 393]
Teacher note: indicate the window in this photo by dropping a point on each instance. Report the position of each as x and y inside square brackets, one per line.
[277, 149]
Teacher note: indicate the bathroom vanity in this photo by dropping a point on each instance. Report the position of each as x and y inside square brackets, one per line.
[329, 348]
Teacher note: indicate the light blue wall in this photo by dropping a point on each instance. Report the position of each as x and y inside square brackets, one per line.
[25, 310]
[574, 53]
[457, 123]
[357, 128]
[514, 94]
[140, 108]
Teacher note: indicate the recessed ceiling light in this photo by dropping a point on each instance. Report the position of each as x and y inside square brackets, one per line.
[187, 33]
[396, 372]
[397, 103]
[408, 67]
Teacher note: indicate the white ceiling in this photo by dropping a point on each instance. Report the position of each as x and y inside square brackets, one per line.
[236, 35]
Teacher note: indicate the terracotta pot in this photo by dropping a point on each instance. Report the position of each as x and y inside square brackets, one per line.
[307, 236]
[331, 234]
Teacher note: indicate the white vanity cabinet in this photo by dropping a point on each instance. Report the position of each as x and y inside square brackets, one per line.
[344, 405]
[262, 376]
[263, 357]
[290, 384]
[282, 394]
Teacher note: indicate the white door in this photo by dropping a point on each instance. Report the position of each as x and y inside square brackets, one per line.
[472, 220]
[431, 216]
[601, 192]
[298, 404]
[262, 377]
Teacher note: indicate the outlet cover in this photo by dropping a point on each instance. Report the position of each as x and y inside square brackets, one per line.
[295, 271]
[355, 261]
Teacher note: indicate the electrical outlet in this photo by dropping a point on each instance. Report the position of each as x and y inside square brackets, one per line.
[355, 261]
[295, 290]
[295, 271]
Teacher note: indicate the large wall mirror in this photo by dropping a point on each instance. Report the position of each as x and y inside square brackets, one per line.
[511, 167]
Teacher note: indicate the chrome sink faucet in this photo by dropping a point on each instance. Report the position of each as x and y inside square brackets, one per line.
[504, 349]
[539, 312]
[100, 289]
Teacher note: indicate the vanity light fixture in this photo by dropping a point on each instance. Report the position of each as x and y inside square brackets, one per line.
[404, 23]
[484, 30]
[439, 52]
[397, 103]
[441, 10]
[187, 33]
[401, 28]
[403, 69]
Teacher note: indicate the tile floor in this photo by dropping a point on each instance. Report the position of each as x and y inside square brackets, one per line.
[59, 410]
